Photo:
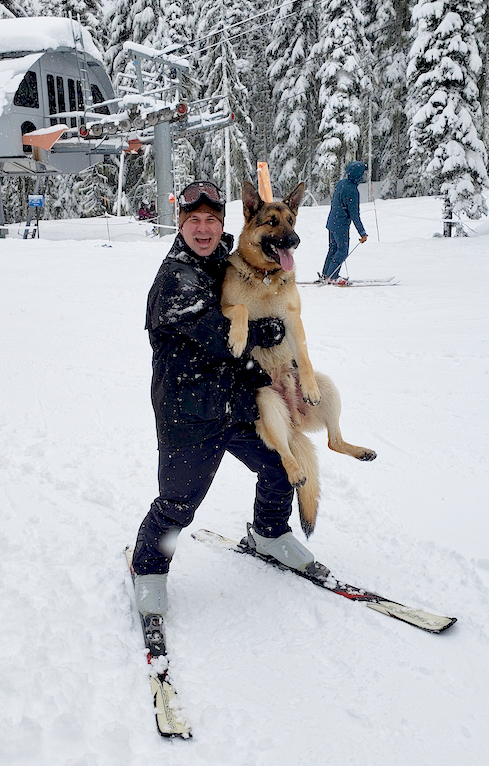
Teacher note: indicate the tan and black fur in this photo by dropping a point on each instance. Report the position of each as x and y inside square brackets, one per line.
[260, 282]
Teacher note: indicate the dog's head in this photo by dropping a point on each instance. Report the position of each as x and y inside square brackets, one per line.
[268, 236]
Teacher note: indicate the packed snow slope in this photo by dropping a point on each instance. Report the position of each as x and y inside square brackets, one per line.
[270, 670]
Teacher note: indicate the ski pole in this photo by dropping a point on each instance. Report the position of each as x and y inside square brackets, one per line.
[351, 251]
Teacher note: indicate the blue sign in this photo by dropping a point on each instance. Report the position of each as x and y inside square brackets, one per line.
[36, 200]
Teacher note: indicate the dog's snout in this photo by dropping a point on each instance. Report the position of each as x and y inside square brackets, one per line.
[291, 240]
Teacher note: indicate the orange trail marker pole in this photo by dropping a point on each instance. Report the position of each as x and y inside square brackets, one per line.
[264, 185]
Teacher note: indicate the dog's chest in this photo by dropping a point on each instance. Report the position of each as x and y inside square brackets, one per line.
[263, 296]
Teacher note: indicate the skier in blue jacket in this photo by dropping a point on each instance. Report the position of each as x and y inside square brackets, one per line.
[345, 208]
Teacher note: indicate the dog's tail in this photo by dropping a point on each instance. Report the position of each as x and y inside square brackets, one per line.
[308, 495]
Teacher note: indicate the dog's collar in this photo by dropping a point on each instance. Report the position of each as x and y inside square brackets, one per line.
[264, 272]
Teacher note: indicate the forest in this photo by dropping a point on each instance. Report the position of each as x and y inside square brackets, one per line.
[313, 84]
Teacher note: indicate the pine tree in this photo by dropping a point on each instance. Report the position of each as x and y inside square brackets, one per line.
[339, 53]
[294, 106]
[387, 31]
[157, 24]
[15, 8]
[447, 154]
[484, 80]
[15, 195]
[89, 11]
[95, 188]
[218, 69]
[60, 198]
[251, 47]
[128, 20]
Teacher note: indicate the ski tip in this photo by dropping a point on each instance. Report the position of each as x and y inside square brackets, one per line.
[128, 552]
[170, 718]
[431, 623]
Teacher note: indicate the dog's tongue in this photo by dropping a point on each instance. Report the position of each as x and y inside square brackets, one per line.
[286, 259]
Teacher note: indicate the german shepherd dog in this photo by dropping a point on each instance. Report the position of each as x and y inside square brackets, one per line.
[260, 282]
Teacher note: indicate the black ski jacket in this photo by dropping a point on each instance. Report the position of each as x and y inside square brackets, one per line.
[198, 387]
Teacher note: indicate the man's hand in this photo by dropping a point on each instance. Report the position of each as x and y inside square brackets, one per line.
[363, 239]
[266, 332]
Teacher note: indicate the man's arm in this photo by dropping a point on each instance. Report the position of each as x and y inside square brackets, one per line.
[177, 302]
[353, 205]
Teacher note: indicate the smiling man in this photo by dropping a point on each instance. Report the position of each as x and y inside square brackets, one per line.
[202, 229]
[203, 397]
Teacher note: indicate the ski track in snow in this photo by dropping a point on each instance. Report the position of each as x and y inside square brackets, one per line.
[271, 671]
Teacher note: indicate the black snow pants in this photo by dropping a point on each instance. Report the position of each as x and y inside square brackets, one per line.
[185, 475]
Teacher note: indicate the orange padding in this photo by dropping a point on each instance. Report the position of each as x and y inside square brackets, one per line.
[44, 138]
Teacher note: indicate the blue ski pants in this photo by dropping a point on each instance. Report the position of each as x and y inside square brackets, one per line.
[185, 475]
[339, 242]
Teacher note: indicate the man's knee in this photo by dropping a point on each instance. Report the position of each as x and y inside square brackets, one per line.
[170, 513]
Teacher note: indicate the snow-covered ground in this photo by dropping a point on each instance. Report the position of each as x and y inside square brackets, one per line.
[271, 671]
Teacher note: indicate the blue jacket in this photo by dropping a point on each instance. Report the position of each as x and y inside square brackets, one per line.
[345, 205]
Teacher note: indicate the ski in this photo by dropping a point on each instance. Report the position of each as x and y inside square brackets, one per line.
[354, 283]
[170, 719]
[321, 576]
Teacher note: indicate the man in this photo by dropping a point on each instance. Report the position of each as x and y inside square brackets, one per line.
[204, 400]
[345, 208]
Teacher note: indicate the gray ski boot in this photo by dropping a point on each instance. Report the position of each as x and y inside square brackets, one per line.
[286, 549]
[151, 594]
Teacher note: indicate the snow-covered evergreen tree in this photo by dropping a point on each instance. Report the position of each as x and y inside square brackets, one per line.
[10, 9]
[484, 80]
[251, 47]
[95, 189]
[60, 199]
[219, 71]
[89, 11]
[294, 106]
[158, 24]
[339, 54]
[128, 20]
[387, 30]
[447, 155]
[15, 195]
[155, 23]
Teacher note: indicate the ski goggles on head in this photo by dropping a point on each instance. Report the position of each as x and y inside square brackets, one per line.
[199, 192]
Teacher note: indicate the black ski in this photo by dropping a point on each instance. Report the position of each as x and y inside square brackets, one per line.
[321, 576]
[353, 283]
[170, 719]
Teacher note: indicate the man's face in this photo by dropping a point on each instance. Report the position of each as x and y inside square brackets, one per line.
[202, 232]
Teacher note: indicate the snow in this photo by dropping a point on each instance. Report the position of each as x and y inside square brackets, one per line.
[37, 33]
[12, 72]
[270, 670]
[153, 53]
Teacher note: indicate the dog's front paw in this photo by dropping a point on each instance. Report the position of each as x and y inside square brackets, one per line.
[237, 343]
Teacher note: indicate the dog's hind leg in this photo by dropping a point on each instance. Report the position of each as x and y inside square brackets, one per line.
[275, 429]
[307, 495]
[328, 413]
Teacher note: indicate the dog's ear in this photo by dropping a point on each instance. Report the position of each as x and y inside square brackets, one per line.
[294, 199]
[252, 202]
